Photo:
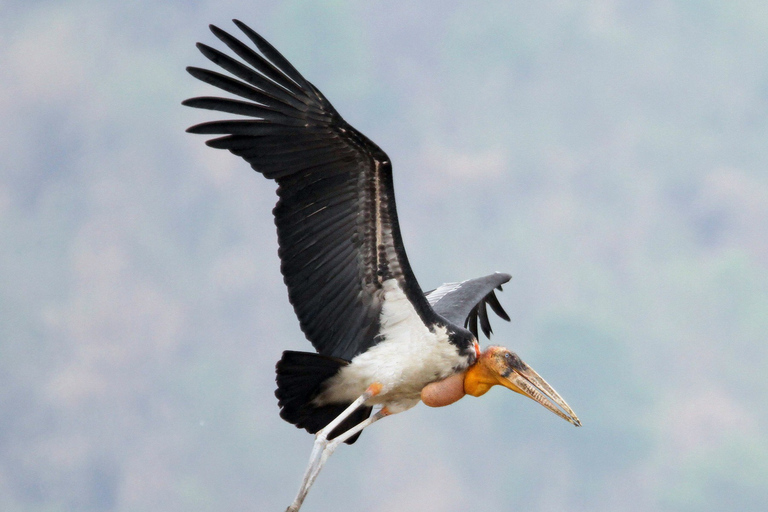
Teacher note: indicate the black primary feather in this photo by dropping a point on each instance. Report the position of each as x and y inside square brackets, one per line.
[336, 219]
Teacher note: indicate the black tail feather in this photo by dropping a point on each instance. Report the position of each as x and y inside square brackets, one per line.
[300, 377]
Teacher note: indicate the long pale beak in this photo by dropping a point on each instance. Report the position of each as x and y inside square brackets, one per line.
[499, 366]
[529, 383]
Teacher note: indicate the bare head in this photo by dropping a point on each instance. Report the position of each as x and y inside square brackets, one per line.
[497, 365]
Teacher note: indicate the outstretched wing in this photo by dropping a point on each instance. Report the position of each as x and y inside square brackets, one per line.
[336, 220]
[465, 303]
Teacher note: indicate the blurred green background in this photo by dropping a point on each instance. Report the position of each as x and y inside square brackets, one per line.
[611, 155]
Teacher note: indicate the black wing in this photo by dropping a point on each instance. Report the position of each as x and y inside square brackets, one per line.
[336, 220]
[465, 302]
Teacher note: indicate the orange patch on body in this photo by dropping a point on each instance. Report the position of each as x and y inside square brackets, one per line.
[374, 389]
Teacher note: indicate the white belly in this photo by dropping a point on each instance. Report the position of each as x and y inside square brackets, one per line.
[408, 357]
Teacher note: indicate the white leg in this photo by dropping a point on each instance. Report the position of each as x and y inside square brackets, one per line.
[323, 448]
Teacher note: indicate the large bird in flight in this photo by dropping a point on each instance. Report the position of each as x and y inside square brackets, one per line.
[381, 342]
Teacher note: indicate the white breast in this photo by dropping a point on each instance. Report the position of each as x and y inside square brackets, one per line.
[408, 357]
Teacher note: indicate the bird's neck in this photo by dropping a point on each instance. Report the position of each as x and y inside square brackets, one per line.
[478, 379]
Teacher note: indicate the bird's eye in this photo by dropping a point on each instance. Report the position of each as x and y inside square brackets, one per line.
[512, 359]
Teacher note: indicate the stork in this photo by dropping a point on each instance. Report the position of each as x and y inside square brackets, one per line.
[381, 342]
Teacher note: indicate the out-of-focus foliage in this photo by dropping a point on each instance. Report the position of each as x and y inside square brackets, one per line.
[611, 155]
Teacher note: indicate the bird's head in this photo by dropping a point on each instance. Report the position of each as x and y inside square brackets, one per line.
[497, 365]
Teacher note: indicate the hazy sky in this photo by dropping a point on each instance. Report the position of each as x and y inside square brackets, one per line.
[611, 155]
